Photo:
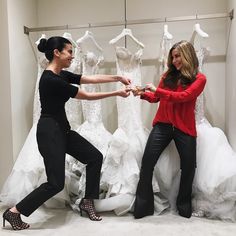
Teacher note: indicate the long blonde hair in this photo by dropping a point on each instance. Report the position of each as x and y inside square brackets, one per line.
[189, 69]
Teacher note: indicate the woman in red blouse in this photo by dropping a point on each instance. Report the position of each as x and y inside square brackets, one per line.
[175, 119]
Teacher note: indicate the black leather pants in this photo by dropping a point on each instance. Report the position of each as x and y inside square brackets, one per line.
[159, 138]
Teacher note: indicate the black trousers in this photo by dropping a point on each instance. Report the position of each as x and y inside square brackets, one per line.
[53, 145]
[160, 136]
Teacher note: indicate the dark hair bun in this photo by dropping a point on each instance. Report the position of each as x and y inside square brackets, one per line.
[42, 45]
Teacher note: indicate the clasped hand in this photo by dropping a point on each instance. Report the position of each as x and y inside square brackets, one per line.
[136, 90]
[139, 90]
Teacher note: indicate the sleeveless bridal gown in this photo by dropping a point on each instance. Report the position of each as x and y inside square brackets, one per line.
[28, 171]
[214, 190]
[123, 159]
[93, 128]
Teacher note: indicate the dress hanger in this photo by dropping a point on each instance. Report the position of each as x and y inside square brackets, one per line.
[69, 37]
[166, 34]
[89, 35]
[197, 30]
[43, 36]
[126, 32]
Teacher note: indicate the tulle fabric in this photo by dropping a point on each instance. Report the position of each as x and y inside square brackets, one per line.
[214, 185]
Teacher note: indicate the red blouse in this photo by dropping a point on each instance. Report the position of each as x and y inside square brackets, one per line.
[177, 105]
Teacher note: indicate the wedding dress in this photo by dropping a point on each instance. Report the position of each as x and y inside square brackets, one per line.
[28, 171]
[93, 128]
[165, 47]
[123, 159]
[214, 188]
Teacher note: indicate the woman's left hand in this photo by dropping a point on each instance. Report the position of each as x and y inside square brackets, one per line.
[124, 80]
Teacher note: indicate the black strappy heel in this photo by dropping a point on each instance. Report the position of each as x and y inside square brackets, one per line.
[87, 205]
[14, 219]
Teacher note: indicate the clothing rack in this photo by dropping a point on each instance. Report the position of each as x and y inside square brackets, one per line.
[126, 22]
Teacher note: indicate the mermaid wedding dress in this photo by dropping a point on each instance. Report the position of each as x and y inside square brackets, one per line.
[123, 159]
[28, 171]
[93, 128]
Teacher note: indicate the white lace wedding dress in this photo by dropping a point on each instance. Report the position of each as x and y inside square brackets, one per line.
[28, 171]
[93, 128]
[215, 179]
[122, 163]
[165, 47]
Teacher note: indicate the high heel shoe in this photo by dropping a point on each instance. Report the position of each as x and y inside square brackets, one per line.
[87, 205]
[14, 219]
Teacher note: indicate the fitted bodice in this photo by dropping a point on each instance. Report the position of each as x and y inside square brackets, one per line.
[165, 47]
[42, 64]
[129, 109]
[92, 110]
[202, 53]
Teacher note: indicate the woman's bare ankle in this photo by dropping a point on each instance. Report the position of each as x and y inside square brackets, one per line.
[14, 210]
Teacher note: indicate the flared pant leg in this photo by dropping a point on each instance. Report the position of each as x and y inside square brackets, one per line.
[159, 138]
[186, 146]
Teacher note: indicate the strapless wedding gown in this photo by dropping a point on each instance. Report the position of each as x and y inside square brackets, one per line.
[123, 159]
[28, 171]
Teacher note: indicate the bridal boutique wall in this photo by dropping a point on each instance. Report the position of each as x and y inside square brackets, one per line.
[230, 110]
[6, 155]
[22, 69]
[74, 12]
[17, 80]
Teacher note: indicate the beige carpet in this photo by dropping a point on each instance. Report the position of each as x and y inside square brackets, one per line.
[65, 222]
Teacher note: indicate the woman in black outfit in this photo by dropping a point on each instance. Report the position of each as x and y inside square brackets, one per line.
[54, 136]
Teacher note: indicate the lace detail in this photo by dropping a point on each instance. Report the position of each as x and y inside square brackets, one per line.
[42, 64]
[73, 107]
[129, 109]
[122, 163]
[199, 107]
[165, 47]
[92, 129]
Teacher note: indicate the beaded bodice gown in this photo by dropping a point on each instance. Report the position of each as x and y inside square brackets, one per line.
[123, 158]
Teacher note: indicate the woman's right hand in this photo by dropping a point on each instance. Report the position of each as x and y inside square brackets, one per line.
[137, 91]
[124, 92]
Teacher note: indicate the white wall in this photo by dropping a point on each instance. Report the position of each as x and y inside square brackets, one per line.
[230, 109]
[22, 69]
[76, 12]
[6, 155]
